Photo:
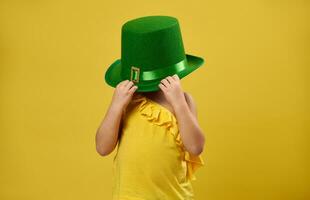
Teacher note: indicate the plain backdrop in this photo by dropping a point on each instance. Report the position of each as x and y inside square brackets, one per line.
[252, 95]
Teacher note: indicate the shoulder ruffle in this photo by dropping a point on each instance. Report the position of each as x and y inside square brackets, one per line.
[162, 117]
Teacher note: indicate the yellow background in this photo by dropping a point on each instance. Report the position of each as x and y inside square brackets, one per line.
[251, 94]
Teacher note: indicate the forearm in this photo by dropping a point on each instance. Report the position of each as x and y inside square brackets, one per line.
[191, 134]
[107, 133]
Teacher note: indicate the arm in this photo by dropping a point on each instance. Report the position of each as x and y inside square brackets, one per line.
[191, 134]
[183, 104]
[108, 132]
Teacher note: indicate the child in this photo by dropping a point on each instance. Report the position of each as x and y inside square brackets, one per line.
[153, 122]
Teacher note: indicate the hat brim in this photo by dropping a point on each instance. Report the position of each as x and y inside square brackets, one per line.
[113, 74]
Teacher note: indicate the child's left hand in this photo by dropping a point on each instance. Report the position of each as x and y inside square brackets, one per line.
[171, 87]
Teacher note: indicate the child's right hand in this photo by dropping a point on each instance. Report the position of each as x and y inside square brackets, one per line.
[123, 93]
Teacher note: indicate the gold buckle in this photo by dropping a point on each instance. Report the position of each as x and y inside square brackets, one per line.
[135, 74]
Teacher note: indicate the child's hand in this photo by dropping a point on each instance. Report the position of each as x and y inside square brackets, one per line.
[123, 93]
[171, 87]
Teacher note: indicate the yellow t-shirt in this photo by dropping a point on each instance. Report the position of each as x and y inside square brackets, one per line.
[151, 162]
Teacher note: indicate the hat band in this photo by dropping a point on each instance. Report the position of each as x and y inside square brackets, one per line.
[162, 72]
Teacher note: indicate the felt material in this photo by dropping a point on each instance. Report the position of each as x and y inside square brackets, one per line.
[151, 49]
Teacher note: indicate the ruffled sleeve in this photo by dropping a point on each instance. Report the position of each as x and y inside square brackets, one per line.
[162, 117]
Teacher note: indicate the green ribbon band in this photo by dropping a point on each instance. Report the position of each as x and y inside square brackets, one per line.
[162, 72]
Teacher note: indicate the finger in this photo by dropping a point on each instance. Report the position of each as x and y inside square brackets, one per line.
[133, 89]
[176, 77]
[129, 84]
[162, 87]
[170, 79]
[165, 82]
[126, 83]
[122, 83]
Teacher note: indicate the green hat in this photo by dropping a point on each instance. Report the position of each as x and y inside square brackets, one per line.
[151, 49]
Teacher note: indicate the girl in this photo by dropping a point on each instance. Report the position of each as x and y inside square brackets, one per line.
[159, 141]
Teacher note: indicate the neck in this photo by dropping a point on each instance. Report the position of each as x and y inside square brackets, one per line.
[158, 93]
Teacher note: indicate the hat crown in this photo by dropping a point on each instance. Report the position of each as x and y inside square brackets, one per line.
[150, 43]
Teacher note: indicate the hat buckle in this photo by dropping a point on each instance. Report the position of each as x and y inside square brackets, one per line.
[135, 74]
